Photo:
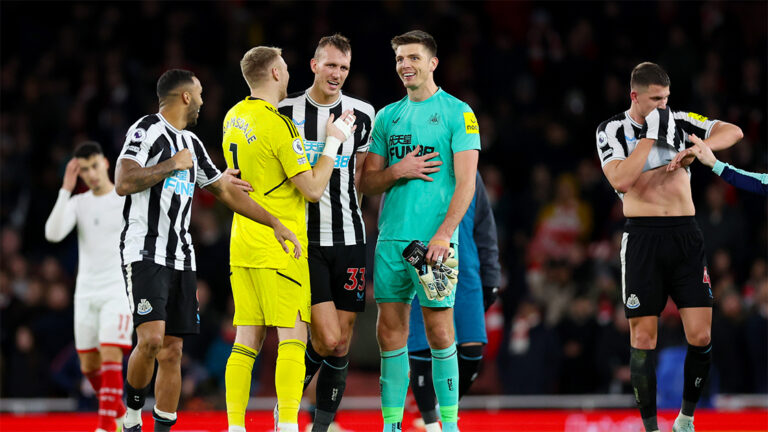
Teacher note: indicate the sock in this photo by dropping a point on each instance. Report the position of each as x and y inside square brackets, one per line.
[469, 363]
[312, 362]
[393, 427]
[163, 420]
[110, 394]
[423, 390]
[697, 363]
[94, 377]
[287, 427]
[643, 377]
[330, 389]
[289, 375]
[445, 377]
[237, 378]
[135, 402]
[394, 387]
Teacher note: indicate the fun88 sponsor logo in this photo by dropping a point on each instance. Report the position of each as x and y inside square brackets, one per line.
[179, 184]
[314, 150]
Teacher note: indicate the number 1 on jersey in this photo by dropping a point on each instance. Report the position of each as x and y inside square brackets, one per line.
[233, 149]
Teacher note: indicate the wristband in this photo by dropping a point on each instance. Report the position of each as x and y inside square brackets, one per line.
[331, 147]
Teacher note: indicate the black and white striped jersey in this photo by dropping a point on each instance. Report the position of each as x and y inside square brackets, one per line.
[156, 220]
[336, 219]
[618, 136]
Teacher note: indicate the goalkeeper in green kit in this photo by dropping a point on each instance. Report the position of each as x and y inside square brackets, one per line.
[424, 156]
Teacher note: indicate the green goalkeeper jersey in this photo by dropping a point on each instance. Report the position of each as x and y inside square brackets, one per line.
[414, 208]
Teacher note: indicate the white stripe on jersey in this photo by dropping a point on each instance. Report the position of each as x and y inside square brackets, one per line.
[617, 138]
[157, 218]
[336, 218]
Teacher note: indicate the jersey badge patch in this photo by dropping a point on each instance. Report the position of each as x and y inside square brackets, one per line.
[297, 147]
[144, 307]
[138, 135]
[301, 161]
[633, 302]
[470, 123]
[435, 119]
[602, 138]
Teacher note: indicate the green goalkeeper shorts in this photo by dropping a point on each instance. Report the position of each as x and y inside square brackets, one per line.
[395, 280]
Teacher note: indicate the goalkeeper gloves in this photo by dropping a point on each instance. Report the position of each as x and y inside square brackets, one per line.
[438, 283]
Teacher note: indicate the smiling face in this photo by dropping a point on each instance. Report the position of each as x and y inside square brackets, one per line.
[331, 67]
[649, 98]
[414, 65]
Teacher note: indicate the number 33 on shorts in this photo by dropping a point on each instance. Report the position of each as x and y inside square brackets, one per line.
[356, 279]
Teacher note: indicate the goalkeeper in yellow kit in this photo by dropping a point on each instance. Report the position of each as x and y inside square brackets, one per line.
[270, 287]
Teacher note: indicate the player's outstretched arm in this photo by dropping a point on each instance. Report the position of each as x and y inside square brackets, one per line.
[377, 177]
[130, 177]
[62, 219]
[465, 169]
[232, 196]
[702, 151]
[312, 183]
[723, 136]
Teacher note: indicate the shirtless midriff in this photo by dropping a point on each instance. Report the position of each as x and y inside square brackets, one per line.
[660, 193]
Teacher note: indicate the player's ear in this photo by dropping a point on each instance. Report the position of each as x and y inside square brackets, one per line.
[106, 162]
[633, 96]
[433, 64]
[313, 65]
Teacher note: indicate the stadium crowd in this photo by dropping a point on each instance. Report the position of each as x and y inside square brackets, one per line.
[540, 78]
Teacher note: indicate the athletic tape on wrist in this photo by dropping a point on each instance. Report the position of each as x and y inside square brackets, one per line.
[331, 147]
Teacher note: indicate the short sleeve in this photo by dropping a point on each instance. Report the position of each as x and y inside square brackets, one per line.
[207, 172]
[693, 124]
[378, 138]
[138, 143]
[465, 130]
[288, 146]
[609, 148]
[364, 133]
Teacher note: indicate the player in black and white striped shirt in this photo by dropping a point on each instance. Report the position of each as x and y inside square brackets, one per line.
[157, 170]
[334, 224]
[662, 250]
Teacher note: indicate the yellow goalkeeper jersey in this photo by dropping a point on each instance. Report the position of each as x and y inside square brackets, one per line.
[268, 150]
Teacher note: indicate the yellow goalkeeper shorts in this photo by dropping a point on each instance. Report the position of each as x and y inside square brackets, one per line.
[270, 297]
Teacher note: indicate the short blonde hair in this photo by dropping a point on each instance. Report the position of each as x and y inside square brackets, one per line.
[257, 62]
